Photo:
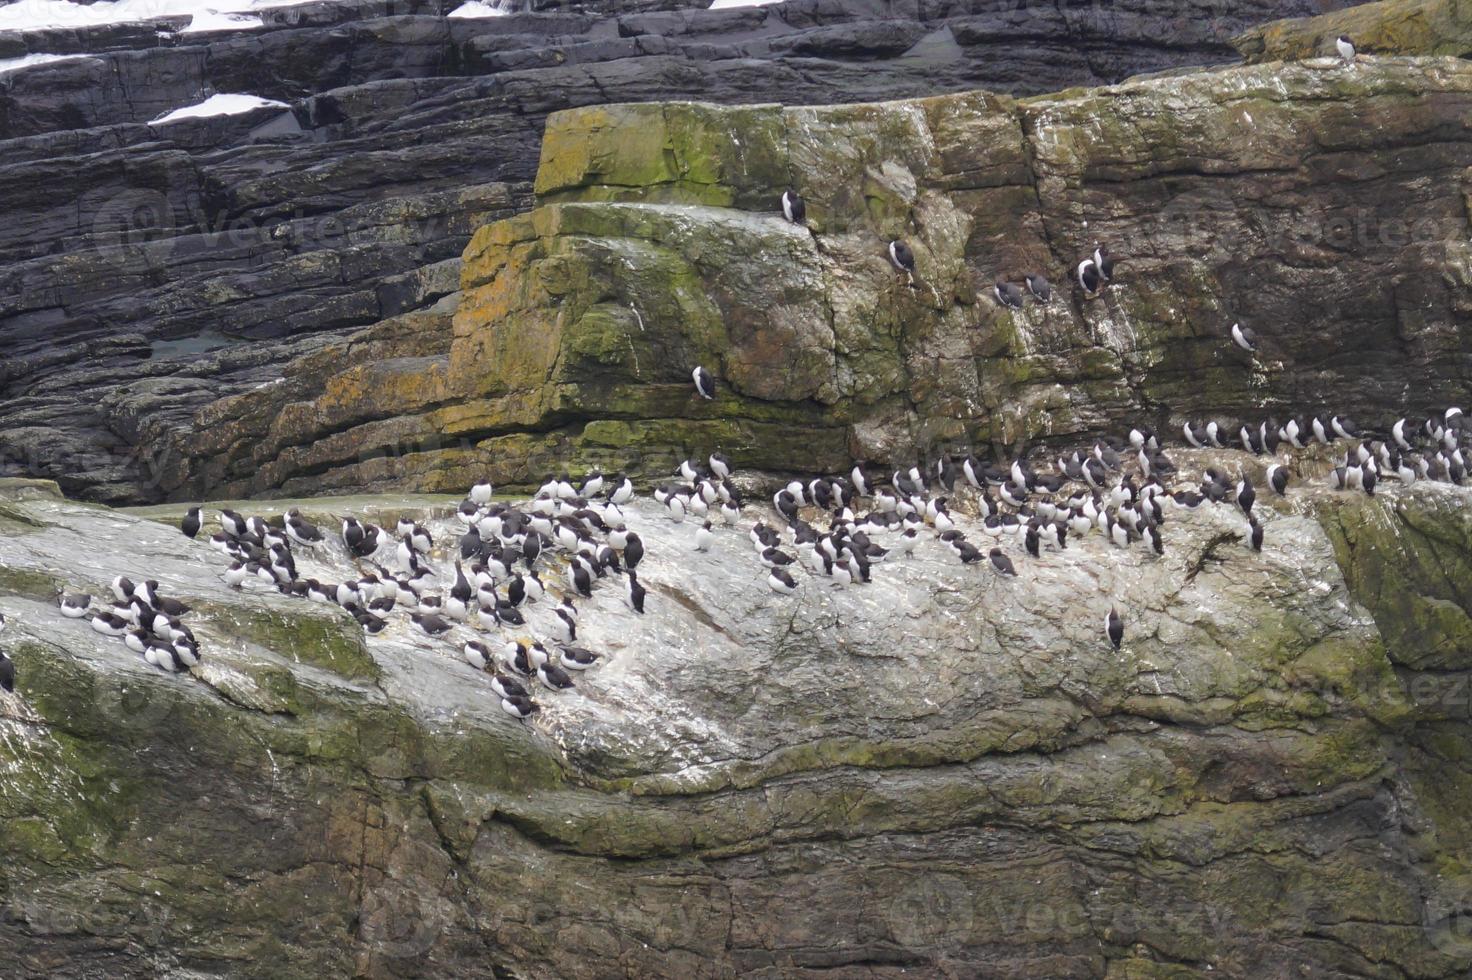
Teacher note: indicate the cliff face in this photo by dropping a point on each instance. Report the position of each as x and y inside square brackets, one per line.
[1324, 206]
[149, 270]
[1390, 27]
[938, 773]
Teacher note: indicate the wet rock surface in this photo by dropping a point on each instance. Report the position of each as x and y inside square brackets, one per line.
[1268, 779]
[278, 231]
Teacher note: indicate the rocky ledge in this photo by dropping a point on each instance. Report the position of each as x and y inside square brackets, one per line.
[942, 772]
[149, 269]
[1322, 205]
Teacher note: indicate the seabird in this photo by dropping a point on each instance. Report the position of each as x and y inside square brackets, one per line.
[191, 523]
[1278, 478]
[633, 551]
[430, 624]
[564, 627]
[1008, 294]
[7, 672]
[902, 259]
[780, 581]
[1254, 538]
[1346, 48]
[1104, 262]
[634, 597]
[705, 385]
[122, 587]
[109, 624]
[1246, 495]
[1114, 628]
[720, 465]
[76, 605]
[1344, 427]
[482, 492]
[793, 207]
[1041, 289]
[580, 579]
[519, 707]
[300, 531]
[1244, 337]
[1001, 562]
[576, 658]
[622, 492]
[553, 677]
[704, 537]
[507, 687]
[1088, 277]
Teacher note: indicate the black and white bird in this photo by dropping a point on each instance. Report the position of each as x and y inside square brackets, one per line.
[1244, 337]
[75, 605]
[1089, 279]
[1114, 627]
[1041, 289]
[1007, 294]
[634, 596]
[705, 385]
[781, 581]
[704, 537]
[793, 207]
[191, 523]
[577, 658]
[1278, 478]
[553, 677]
[518, 706]
[902, 259]
[1345, 47]
[1001, 562]
[1104, 262]
[1246, 496]
[7, 672]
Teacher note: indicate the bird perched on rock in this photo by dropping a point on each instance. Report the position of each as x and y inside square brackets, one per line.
[1089, 279]
[1104, 262]
[902, 259]
[1114, 627]
[1001, 562]
[1041, 289]
[704, 537]
[780, 581]
[1278, 478]
[793, 207]
[1345, 47]
[1244, 337]
[705, 385]
[7, 672]
[1008, 294]
[191, 523]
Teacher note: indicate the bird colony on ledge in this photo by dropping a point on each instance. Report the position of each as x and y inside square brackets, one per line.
[504, 594]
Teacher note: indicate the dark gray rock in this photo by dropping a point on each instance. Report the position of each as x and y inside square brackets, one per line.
[407, 131]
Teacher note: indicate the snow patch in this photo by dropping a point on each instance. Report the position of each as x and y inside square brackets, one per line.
[213, 20]
[477, 9]
[35, 14]
[218, 105]
[26, 61]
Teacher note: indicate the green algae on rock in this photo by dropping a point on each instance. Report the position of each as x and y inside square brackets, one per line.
[961, 763]
[1278, 194]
